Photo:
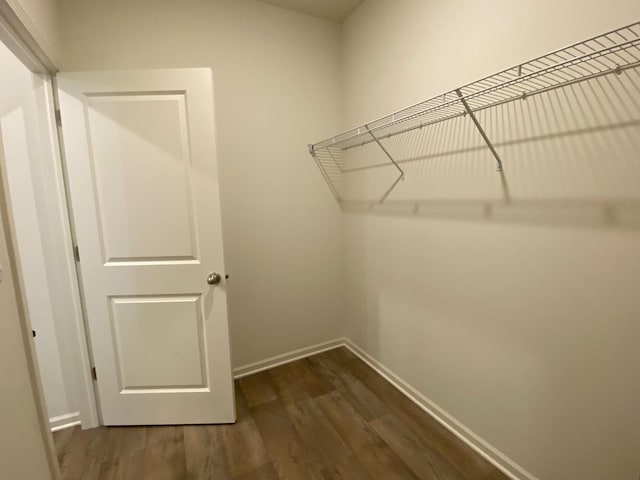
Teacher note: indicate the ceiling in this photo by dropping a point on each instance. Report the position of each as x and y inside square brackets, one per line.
[334, 10]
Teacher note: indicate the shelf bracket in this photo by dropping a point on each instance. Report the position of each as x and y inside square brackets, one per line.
[480, 129]
[395, 164]
[312, 152]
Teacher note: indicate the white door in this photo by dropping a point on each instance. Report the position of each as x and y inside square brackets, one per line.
[141, 158]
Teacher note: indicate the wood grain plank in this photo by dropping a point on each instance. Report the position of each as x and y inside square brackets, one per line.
[326, 417]
[287, 384]
[244, 447]
[316, 385]
[375, 382]
[85, 454]
[341, 355]
[366, 403]
[288, 454]
[374, 455]
[164, 457]
[242, 409]
[347, 469]
[296, 381]
[266, 472]
[257, 389]
[62, 439]
[440, 439]
[205, 452]
[124, 453]
[323, 444]
[425, 462]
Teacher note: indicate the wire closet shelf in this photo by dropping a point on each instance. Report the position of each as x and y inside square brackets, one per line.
[609, 53]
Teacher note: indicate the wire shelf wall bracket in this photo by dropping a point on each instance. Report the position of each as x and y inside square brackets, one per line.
[395, 164]
[480, 129]
[611, 53]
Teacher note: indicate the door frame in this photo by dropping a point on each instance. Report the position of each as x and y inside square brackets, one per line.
[21, 36]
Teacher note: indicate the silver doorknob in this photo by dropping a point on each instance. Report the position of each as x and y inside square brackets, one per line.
[214, 278]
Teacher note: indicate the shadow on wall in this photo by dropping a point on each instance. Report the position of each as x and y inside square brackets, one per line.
[571, 156]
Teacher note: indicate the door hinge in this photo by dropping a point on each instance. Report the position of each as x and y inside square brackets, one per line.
[58, 118]
[94, 375]
[76, 253]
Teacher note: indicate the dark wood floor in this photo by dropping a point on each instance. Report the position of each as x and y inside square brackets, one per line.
[323, 418]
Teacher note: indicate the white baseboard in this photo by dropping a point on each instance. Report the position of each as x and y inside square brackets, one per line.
[64, 421]
[289, 357]
[489, 452]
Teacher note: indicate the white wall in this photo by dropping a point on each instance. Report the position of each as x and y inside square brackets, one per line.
[277, 88]
[522, 325]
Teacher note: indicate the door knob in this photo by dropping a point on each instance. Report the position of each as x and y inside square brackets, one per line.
[214, 278]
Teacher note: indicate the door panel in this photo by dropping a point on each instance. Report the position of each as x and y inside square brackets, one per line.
[159, 342]
[151, 135]
[140, 151]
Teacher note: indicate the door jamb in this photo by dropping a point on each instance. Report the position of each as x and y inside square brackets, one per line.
[84, 386]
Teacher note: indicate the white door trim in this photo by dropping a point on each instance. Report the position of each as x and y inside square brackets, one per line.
[81, 381]
[19, 33]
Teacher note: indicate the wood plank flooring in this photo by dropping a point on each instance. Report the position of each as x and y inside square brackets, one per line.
[326, 417]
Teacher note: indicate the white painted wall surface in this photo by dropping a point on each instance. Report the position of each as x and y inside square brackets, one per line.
[523, 326]
[277, 87]
[39, 221]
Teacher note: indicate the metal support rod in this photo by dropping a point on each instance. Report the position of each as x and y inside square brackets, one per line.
[480, 129]
[386, 152]
[390, 189]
